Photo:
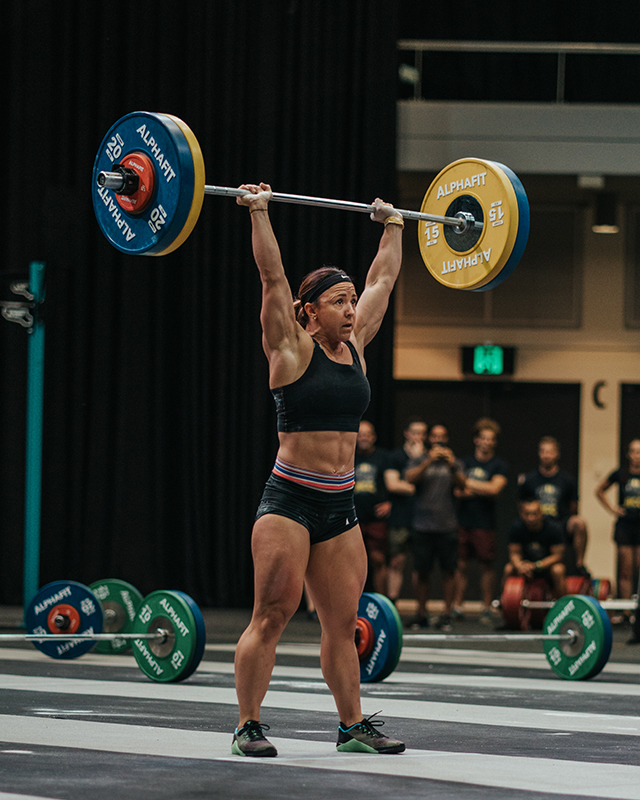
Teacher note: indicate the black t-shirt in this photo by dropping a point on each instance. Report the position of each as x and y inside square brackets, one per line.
[401, 504]
[628, 493]
[536, 544]
[370, 489]
[480, 512]
[556, 494]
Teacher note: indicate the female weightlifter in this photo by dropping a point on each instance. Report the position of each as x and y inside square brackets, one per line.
[306, 527]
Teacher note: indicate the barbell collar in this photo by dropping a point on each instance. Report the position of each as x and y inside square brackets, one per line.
[124, 181]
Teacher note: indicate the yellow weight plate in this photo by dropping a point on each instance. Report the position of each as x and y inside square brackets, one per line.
[198, 186]
[473, 259]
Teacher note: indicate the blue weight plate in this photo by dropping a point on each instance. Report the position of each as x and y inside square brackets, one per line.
[201, 637]
[395, 657]
[607, 642]
[73, 600]
[524, 219]
[387, 637]
[162, 222]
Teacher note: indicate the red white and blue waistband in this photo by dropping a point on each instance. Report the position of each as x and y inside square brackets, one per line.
[321, 481]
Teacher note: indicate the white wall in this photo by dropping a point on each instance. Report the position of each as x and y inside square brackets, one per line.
[548, 138]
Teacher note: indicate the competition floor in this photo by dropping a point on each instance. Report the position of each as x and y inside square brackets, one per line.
[483, 721]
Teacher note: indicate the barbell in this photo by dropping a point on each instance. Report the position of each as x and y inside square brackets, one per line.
[165, 629]
[65, 620]
[576, 636]
[149, 185]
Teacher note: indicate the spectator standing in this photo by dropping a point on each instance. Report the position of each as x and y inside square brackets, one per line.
[402, 495]
[486, 476]
[435, 527]
[557, 492]
[536, 548]
[627, 517]
[372, 503]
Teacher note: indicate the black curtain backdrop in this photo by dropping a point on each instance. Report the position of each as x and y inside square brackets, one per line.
[159, 426]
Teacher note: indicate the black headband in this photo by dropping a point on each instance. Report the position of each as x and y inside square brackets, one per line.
[326, 283]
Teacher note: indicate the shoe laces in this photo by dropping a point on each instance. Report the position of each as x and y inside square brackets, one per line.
[369, 725]
[253, 730]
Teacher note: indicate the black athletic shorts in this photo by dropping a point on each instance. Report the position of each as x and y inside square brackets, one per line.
[626, 534]
[323, 514]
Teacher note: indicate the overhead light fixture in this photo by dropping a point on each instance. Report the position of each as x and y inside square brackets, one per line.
[591, 181]
[605, 218]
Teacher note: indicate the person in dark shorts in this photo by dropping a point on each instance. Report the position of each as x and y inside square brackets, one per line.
[306, 529]
[557, 492]
[627, 518]
[372, 504]
[402, 496]
[536, 548]
[486, 478]
[435, 527]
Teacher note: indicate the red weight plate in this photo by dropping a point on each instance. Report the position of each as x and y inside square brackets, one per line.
[578, 584]
[537, 590]
[68, 612]
[365, 637]
[511, 601]
[143, 166]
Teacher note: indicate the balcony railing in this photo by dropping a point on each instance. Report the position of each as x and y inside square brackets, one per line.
[413, 73]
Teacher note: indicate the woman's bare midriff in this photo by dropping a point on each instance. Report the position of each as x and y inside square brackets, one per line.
[331, 452]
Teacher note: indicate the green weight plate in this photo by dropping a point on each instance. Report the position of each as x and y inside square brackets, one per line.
[74, 605]
[120, 601]
[585, 657]
[387, 630]
[169, 660]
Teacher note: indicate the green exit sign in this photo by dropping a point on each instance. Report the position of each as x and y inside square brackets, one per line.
[488, 359]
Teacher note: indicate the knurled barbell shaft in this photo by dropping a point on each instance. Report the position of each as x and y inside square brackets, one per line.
[491, 637]
[63, 637]
[115, 181]
[338, 205]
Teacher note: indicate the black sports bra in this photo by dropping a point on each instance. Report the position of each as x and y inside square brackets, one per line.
[328, 397]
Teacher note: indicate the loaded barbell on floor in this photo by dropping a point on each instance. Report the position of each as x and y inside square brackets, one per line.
[65, 620]
[576, 637]
[149, 185]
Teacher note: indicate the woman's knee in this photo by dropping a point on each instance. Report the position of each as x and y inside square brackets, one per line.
[270, 621]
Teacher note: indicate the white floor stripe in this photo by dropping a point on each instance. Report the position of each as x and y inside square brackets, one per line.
[5, 796]
[552, 684]
[444, 655]
[416, 655]
[550, 776]
[462, 713]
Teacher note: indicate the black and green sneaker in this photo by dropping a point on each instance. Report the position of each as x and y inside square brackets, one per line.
[364, 738]
[250, 741]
